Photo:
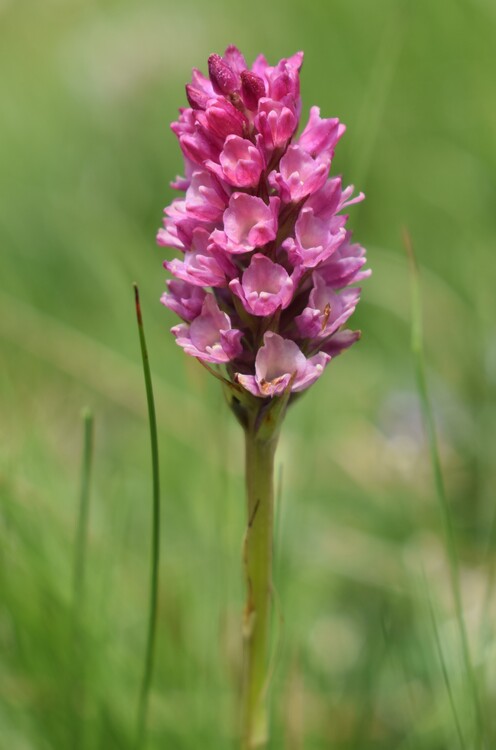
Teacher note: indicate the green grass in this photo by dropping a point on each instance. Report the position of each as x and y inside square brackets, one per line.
[370, 656]
[149, 661]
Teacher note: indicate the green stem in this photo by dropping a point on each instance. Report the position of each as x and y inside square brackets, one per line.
[258, 571]
[155, 556]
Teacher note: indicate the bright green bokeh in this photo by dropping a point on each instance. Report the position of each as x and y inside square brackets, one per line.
[87, 90]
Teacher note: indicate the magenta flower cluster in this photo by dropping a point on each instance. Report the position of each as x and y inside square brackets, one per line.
[263, 281]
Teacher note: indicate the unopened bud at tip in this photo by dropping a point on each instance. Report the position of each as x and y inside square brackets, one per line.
[223, 78]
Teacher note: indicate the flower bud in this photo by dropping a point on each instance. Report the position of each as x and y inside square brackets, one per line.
[252, 89]
[223, 78]
[196, 97]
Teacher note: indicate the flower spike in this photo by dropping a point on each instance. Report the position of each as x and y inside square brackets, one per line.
[266, 281]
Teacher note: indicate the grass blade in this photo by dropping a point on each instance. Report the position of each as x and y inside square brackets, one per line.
[84, 501]
[444, 667]
[79, 571]
[155, 551]
[430, 427]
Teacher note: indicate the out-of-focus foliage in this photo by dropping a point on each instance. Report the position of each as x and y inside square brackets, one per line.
[87, 89]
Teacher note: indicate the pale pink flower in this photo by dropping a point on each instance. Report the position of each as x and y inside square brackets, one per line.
[276, 123]
[327, 310]
[299, 175]
[320, 136]
[205, 198]
[248, 223]
[264, 287]
[201, 265]
[241, 163]
[315, 240]
[210, 336]
[280, 363]
[186, 300]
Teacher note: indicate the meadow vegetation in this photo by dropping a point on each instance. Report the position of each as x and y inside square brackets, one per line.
[368, 652]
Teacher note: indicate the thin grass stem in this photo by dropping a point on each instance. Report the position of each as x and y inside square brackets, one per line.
[430, 427]
[84, 503]
[155, 548]
[444, 668]
[78, 581]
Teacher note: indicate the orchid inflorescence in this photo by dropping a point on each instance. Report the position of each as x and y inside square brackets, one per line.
[263, 284]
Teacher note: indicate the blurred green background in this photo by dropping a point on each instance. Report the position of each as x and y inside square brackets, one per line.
[87, 90]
